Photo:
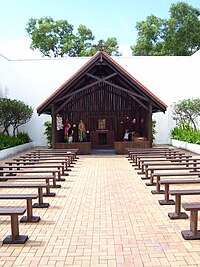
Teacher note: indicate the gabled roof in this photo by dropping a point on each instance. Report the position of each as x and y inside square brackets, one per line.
[101, 56]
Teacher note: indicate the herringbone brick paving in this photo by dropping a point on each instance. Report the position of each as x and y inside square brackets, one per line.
[103, 215]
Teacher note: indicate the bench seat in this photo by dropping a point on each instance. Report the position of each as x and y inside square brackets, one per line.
[167, 183]
[34, 178]
[36, 165]
[138, 158]
[28, 198]
[173, 175]
[15, 172]
[165, 162]
[40, 186]
[169, 167]
[178, 193]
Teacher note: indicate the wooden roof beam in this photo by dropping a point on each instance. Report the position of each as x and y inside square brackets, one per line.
[126, 90]
[101, 79]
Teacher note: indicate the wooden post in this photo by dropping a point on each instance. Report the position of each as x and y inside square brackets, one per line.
[149, 124]
[53, 119]
[14, 226]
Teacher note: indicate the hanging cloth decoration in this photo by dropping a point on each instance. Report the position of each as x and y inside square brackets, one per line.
[67, 126]
[81, 131]
[59, 122]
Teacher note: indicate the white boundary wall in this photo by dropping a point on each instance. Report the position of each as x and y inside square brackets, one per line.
[32, 81]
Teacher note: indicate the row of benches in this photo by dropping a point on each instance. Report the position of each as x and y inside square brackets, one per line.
[159, 163]
[55, 162]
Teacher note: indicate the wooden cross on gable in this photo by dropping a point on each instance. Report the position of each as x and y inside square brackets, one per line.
[101, 46]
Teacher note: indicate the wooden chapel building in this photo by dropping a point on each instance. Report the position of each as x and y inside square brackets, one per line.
[109, 101]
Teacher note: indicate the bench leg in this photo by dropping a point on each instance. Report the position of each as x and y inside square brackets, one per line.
[40, 203]
[193, 233]
[48, 193]
[142, 168]
[15, 238]
[151, 183]
[30, 217]
[177, 214]
[54, 181]
[145, 172]
[61, 170]
[166, 201]
[157, 191]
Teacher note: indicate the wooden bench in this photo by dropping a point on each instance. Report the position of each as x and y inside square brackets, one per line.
[171, 168]
[193, 233]
[52, 150]
[31, 177]
[145, 165]
[131, 153]
[159, 175]
[57, 150]
[164, 155]
[167, 183]
[14, 238]
[72, 154]
[40, 203]
[29, 208]
[178, 193]
[15, 172]
[36, 165]
[145, 162]
[40, 161]
[47, 158]
[172, 158]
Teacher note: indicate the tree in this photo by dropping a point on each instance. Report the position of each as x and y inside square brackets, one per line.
[56, 39]
[178, 36]
[187, 112]
[6, 106]
[52, 38]
[13, 113]
[149, 36]
[82, 41]
[22, 113]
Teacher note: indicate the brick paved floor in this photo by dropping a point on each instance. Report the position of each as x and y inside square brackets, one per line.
[103, 215]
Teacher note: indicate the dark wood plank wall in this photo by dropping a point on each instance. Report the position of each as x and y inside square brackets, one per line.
[104, 101]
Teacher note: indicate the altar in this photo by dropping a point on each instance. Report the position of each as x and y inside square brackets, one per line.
[102, 138]
[120, 147]
[84, 148]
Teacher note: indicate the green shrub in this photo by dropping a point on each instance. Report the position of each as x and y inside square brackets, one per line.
[153, 131]
[7, 141]
[23, 138]
[48, 132]
[188, 135]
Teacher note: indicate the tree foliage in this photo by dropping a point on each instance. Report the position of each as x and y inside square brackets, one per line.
[187, 113]
[177, 36]
[13, 113]
[57, 39]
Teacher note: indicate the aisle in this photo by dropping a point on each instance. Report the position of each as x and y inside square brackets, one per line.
[103, 215]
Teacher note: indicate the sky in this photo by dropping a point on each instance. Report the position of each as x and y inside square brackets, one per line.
[105, 18]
